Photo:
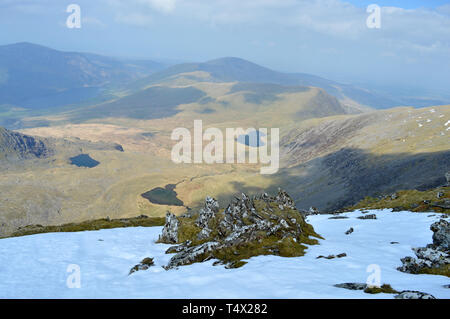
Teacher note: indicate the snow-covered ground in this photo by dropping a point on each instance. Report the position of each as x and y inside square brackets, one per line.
[36, 266]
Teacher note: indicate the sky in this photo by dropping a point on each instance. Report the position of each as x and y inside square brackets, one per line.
[329, 38]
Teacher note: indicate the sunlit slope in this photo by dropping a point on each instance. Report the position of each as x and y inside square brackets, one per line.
[327, 162]
[231, 69]
[164, 107]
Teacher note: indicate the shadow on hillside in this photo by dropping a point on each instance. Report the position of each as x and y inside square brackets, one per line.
[345, 177]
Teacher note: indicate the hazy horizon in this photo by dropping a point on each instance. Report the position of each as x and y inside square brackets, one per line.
[328, 38]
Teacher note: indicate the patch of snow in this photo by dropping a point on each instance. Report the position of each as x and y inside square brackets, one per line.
[36, 266]
[448, 122]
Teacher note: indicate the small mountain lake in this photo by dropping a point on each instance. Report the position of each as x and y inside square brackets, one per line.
[163, 196]
[252, 138]
[83, 160]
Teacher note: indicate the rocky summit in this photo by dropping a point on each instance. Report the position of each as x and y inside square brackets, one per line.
[249, 226]
[433, 259]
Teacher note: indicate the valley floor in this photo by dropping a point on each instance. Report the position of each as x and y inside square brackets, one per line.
[36, 266]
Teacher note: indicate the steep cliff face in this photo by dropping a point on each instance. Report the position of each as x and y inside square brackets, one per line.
[15, 145]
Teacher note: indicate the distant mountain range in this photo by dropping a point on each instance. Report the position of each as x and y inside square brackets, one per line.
[35, 78]
[231, 69]
[335, 147]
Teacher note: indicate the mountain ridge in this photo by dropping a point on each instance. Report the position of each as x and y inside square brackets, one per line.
[36, 77]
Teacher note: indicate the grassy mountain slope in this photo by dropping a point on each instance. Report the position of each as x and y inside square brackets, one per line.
[234, 69]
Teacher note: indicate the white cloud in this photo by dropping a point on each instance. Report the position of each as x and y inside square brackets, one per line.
[135, 19]
[165, 6]
[421, 30]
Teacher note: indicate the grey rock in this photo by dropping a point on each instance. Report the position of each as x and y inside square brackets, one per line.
[352, 286]
[348, 232]
[441, 234]
[207, 213]
[411, 294]
[332, 256]
[370, 216]
[145, 264]
[435, 255]
[170, 231]
[447, 177]
[190, 255]
[240, 223]
[338, 217]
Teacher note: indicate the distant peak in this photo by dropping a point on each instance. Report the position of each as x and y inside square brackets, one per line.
[228, 60]
[26, 45]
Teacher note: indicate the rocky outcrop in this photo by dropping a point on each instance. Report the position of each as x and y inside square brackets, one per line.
[352, 286]
[349, 231]
[145, 264]
[411, 294]
[249, 226]
[405, 294]
[170, 231]
[434, 258]
[441, 235]
[17, 146]
[332, 256]
[369, 216]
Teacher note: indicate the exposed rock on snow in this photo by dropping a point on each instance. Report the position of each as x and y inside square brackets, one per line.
[405, 294]
[332, 256]
[441, 235]
[348, 232]
[352, 286]
[435, 257]
[145, 264]
[370, 216]
[410, 294]
[338, 217]
[261, 225]
[170, 230]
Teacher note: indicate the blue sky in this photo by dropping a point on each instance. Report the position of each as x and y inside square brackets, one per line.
[329, 38]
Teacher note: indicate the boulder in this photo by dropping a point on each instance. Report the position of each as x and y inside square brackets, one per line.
[352, 286]
[145, 264]
[411, 294]
[369, 216]
[348, 232]
[435, 257]
[170, 231]
[441, 234]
